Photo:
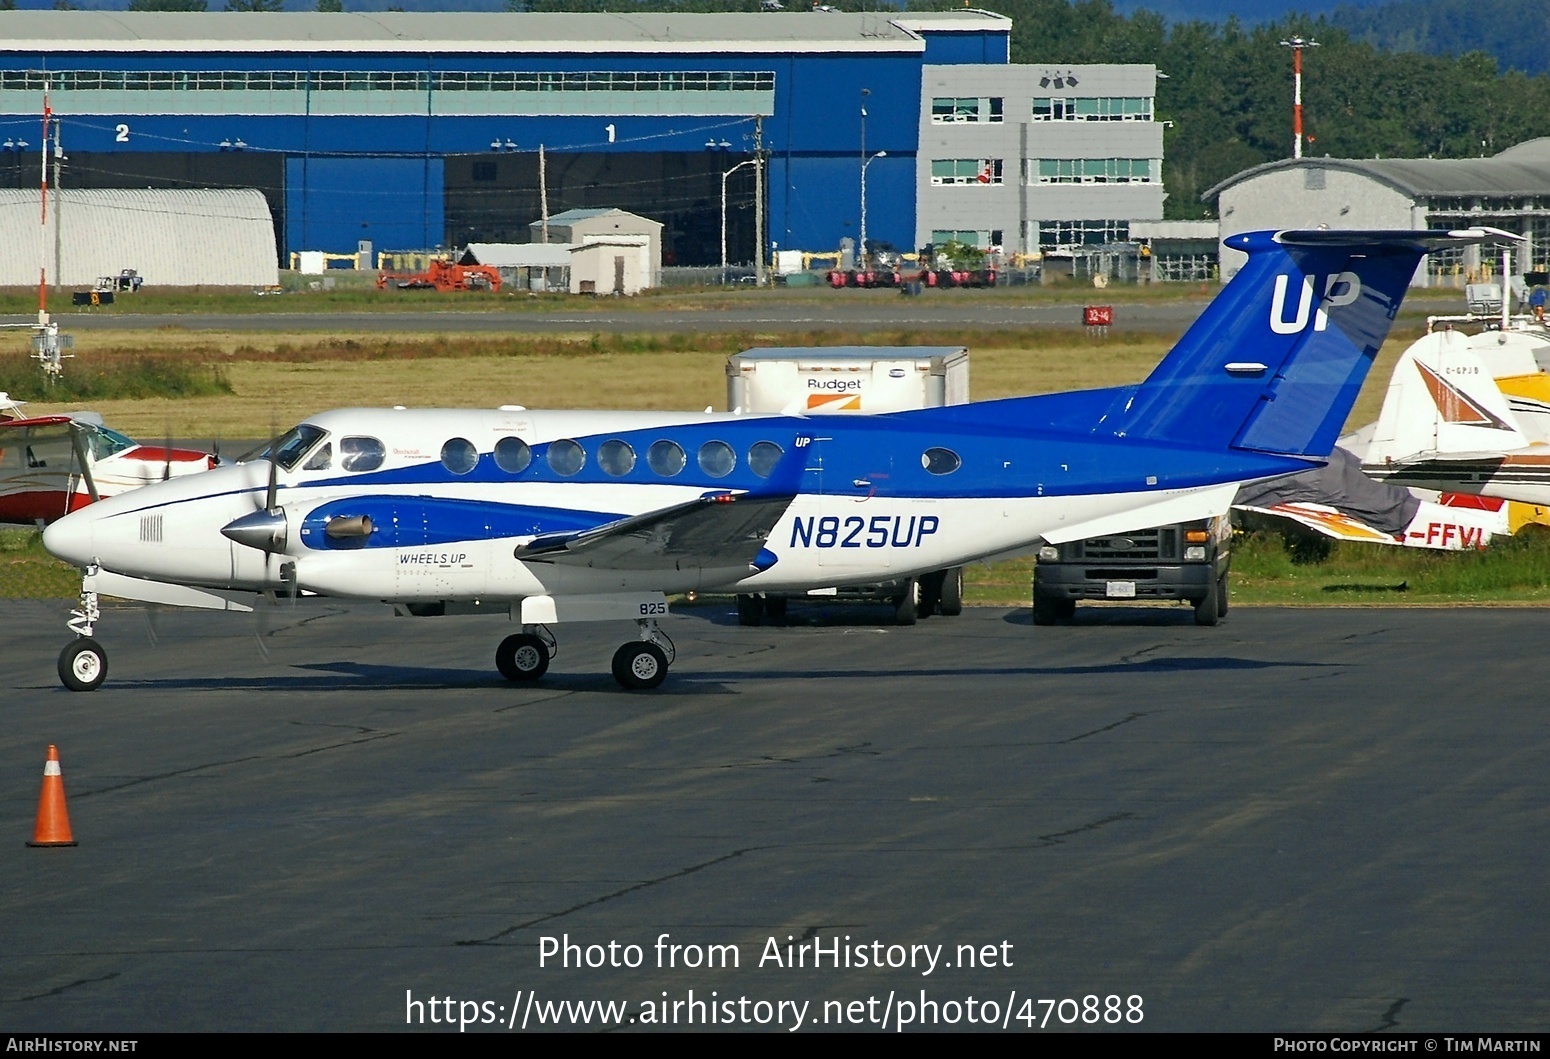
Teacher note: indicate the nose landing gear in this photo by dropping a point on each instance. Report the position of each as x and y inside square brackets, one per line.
[83, 664]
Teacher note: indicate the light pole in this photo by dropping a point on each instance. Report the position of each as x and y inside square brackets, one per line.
[861, 250]
[864, 164]
[1297, 44]
[729, 172]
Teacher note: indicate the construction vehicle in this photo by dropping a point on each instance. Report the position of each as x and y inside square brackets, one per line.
[443, 276]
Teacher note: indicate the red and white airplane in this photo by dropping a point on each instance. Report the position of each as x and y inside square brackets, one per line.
[52, 465]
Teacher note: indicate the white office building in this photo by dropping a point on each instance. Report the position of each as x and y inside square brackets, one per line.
[1037, 158]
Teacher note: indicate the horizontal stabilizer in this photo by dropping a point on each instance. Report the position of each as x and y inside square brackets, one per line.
[1195, 504]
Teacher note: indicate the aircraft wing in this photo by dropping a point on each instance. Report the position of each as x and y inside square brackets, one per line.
[1325, 521]
[715, 530]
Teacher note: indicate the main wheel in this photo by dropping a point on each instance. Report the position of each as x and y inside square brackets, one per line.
[951, 600]
[906, 609]
[640, 665]
[1050, 610]
[775, 609]
[83, 665]
[1221, 596]
[1206, 607]
[750, 610]
[930, 593]
[522, 657]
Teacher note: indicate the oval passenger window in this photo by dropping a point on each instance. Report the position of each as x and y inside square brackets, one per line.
[666, 458]
[459, 456]
[566, 457]
[763, 457]
[717, 459]
[940, 461]
[361, 453]
[512, 455]
[616, 458]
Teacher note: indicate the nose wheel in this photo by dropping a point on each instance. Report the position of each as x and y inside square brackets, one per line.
[83, 665]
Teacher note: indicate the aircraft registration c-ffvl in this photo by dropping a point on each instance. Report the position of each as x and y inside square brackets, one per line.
[556, 516]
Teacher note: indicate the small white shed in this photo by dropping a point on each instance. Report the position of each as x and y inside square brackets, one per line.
[611, 264]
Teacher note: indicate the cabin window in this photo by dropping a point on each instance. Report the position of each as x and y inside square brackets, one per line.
[717, 459]
[361, 453]
[322, 459]
[566, 457]
[763, 457]
[616, 458]
[940, 461]
[459, 456]
[666, 458]
[512, 455]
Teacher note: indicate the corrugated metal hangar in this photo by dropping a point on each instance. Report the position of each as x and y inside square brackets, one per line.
[183, 238]
[1509, 190]
[418, 130]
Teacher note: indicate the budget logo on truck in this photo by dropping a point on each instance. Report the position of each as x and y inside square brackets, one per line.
[834, 395]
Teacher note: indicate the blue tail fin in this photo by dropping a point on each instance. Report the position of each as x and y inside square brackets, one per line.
[1274, 364]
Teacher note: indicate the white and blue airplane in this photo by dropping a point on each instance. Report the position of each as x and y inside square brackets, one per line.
[561, 516]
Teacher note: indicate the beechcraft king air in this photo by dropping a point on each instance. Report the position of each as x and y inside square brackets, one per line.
[554, 517]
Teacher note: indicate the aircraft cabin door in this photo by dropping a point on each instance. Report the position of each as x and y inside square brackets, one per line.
[853, 529]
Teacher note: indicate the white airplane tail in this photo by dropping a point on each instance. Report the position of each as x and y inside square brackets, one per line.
[1443, 402]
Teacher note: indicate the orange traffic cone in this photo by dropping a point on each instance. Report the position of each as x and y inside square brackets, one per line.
[53, 828]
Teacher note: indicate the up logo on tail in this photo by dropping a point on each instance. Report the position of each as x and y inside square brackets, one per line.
[1340, 288]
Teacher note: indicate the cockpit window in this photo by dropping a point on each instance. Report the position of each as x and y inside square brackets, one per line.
[293, 445]
[361, 453]
[105, 442]
[322, 459]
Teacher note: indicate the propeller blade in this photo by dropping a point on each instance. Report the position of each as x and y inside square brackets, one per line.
[166, 452]
[274, 482]
[152, 623]
[261, 627]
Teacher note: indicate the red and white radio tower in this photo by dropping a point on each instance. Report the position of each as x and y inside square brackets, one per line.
[1297, 44]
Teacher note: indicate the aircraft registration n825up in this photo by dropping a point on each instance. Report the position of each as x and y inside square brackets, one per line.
[558, 516]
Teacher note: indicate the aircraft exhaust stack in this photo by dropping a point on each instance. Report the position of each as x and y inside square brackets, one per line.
[348, 527]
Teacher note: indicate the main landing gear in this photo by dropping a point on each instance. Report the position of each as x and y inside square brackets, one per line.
[83, 664]
[639, 665]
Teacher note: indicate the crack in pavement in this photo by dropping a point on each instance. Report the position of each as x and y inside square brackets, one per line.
[1105, 728]
[1056, 838]
[645, 884]
[60, 989]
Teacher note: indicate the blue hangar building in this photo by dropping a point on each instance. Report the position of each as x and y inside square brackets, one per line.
[422, 130]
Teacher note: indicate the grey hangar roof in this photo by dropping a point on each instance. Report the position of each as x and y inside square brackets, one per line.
[479, 33]
[1518, 171]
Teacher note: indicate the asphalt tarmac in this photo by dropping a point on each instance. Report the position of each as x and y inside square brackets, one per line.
[1298, 820]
